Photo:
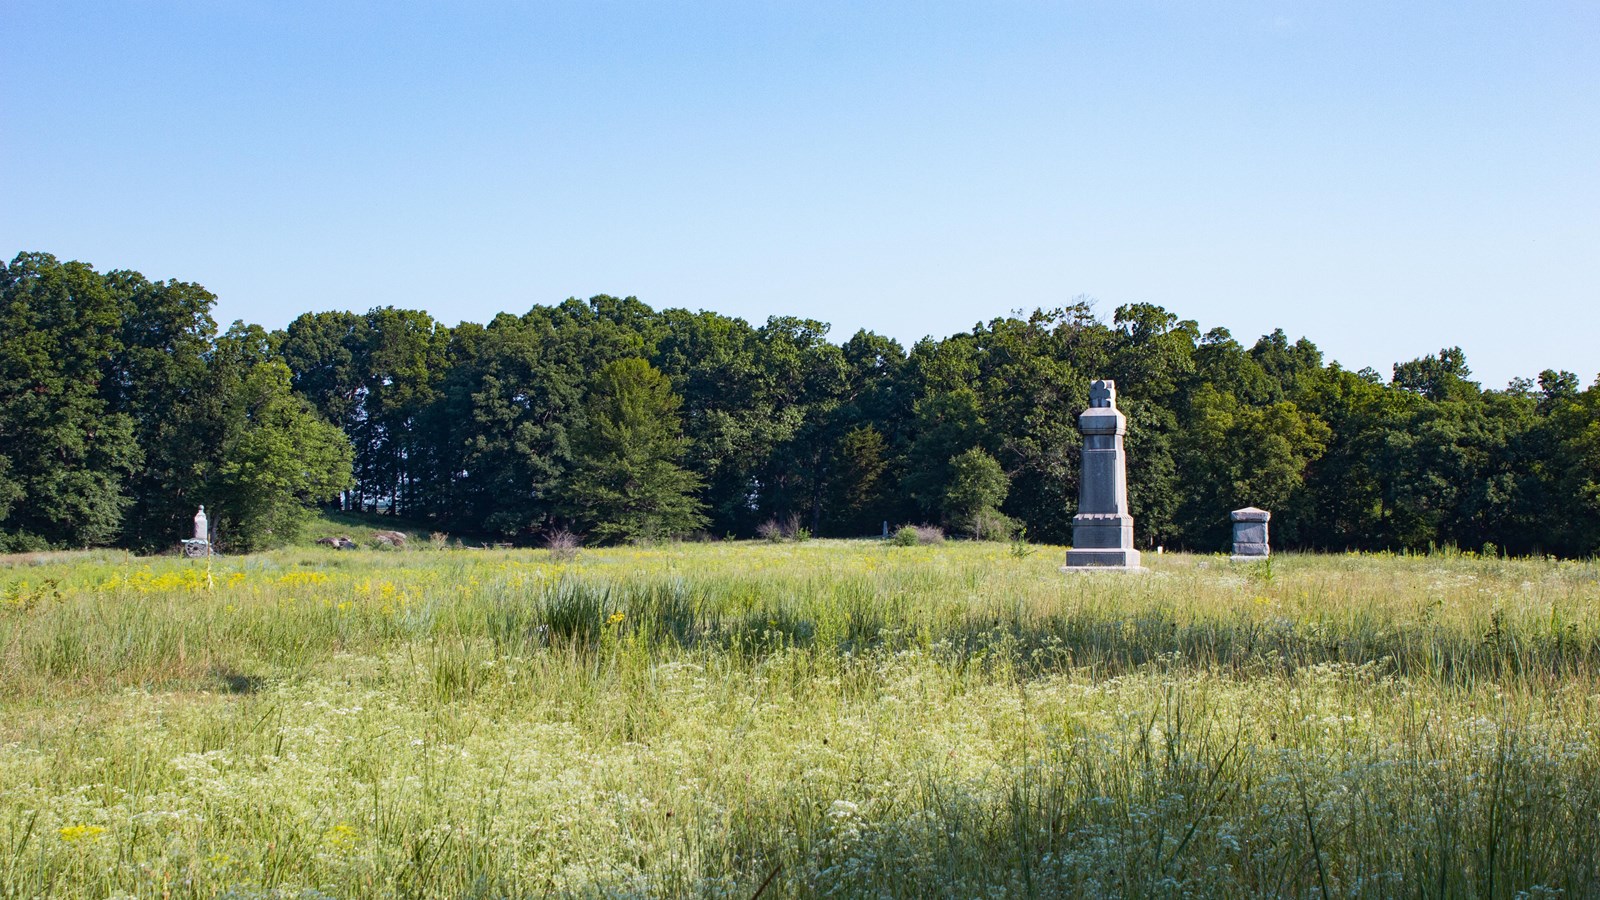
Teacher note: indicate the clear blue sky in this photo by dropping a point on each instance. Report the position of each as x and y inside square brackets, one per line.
[1385, 178]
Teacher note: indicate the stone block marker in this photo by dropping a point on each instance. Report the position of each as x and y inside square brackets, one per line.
[1102, 531]
[1250, 534]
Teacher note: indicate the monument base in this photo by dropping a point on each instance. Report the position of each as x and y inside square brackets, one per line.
[1250, 551]
[1102, 531]
[1089, 559]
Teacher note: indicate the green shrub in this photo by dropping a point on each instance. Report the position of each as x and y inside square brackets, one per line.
[912, 535]
[992, 525]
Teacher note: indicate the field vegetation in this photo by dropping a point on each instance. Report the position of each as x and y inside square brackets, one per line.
[797, 719]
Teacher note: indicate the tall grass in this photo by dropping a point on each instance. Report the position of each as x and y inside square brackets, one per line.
[822, 718]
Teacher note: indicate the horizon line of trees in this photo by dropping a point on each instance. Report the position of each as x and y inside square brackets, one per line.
[122, 408]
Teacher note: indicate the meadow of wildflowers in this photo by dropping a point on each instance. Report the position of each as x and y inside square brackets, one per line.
[803, 719]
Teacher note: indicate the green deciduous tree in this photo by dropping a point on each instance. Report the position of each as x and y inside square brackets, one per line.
[160, 379]
[1438, 378]
[945, 424]
[326, 352]
[374, 375]
[805, 382]
[1152, 358]
[1573, 473]
[974, 493]
[1346, 501]
[277, 457]
[729, 412]
[1235, 455]
[1454, 470]
[500, 427]
[68, 453]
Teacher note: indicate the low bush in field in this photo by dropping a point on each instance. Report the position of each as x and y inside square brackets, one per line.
[777, 531]
[989, 525]
[904, 536]
[562, 544]
[913, 535]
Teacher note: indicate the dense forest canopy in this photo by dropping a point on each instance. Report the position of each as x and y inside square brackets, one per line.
[122, 407]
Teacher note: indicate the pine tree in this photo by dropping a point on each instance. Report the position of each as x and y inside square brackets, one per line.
[627, 483]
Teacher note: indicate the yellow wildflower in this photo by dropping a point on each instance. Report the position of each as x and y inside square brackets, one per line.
[341, 836]
[72, 833]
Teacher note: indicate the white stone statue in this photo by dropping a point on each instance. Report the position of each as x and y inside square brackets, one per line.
[201, 530]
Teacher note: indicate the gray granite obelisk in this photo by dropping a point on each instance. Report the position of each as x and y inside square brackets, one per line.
[1102, 531]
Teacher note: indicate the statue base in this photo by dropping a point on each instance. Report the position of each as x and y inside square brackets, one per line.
[1102, 541]
[1088, 560]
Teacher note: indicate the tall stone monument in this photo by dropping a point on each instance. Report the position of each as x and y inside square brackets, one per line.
[1250, 534]
[1102, 531]
[201, 527]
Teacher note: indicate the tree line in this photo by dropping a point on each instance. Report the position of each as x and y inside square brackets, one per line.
[122, 407]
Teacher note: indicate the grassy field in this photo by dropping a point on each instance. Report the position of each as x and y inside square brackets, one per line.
[825, 718]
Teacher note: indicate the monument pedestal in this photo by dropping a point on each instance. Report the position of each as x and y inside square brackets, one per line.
[1250, 542]
[1102, 540]
[1090, 560]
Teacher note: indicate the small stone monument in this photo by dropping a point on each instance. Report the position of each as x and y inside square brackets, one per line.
[1250, 534]
[200, 544]
[1102, 531]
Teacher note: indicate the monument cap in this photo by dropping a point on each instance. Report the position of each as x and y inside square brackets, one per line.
[1102, 394]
